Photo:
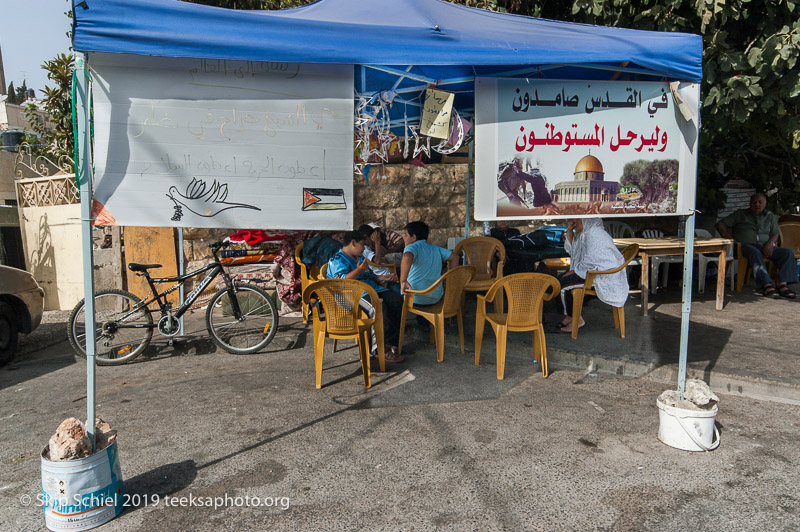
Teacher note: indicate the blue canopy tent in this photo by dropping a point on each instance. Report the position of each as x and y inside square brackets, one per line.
[402, 46]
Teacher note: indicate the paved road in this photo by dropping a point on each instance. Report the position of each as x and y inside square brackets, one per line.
[443, 446]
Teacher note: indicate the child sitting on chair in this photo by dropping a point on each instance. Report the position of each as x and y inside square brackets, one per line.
[348, 263]
[422, 263]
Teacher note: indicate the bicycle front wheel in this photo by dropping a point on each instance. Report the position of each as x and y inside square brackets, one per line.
[122, 330]
[248, 334]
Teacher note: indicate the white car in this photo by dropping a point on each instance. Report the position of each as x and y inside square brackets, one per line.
[21, 306]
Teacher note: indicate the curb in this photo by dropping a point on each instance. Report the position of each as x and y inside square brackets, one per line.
[743, 386]
[752, 387]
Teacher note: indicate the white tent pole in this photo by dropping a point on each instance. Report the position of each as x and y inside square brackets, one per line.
[686, 309]
[181, 271]
[469, 189]
[84, 167]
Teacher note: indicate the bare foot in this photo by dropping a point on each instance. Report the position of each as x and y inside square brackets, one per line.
[568, 327]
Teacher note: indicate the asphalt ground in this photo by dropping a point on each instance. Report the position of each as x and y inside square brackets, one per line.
[429, 446]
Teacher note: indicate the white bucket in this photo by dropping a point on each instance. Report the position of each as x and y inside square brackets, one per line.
[690, 430]
[84, 493]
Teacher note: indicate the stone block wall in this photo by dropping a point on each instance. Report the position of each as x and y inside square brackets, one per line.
[394, 195]
[196, 240]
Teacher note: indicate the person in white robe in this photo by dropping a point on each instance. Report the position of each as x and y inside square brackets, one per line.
[591, 248]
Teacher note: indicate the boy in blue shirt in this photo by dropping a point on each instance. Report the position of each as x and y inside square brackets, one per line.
[422, 263]
[348, 263]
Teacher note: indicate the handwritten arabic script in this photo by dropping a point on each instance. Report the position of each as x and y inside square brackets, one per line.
[436, 114]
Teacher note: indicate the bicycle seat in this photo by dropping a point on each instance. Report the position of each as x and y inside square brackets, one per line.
[135, 267]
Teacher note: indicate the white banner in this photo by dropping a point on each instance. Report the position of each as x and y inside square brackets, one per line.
[560, 149]
[214, 143]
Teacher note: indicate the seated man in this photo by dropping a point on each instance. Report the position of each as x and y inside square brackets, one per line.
[348, 263]
[502, 232]
[422, 263]
[757, 230]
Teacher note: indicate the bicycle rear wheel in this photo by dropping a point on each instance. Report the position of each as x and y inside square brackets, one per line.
[253, 331]
[122, 332]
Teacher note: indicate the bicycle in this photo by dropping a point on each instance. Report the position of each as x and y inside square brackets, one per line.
[241, 318]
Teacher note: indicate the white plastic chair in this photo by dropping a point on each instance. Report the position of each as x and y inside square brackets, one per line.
[703, 260]
[662, 262]
[453, 241]
[618, 229]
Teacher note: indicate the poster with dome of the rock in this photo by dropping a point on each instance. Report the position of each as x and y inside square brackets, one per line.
[566, 148]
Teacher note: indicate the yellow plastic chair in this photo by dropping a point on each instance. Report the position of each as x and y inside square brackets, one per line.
[450, 305]
[308, 274]
[744, 271]
[629, 253]
[487, 255]
[526, 293]
[323, 274]
[790, 237]
[344, 319]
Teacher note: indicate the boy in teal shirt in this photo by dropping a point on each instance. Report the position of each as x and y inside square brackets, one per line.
[348, 263]
[422, 263]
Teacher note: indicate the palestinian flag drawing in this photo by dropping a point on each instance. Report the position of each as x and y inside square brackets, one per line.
[323, 199]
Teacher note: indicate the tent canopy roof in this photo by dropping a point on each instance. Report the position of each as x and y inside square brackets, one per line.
[381, 32]
[400, 46]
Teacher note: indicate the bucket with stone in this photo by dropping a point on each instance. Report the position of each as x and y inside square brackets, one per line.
[689, 423]
[81, 489]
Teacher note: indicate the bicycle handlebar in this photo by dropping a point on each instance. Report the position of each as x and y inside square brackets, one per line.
[216, 246]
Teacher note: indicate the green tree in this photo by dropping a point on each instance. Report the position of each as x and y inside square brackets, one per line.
[12, 93]
[751, 86]
[22, 92]
[58, 140]
[652, 177]
[750, 90]
[17, 95]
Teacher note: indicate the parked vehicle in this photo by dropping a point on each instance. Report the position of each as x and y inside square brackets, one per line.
[21, 306]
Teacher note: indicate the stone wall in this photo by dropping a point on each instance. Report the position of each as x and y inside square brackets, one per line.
[196, 252]
[394, 195]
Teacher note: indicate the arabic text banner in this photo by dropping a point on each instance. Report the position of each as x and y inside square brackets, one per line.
[559, 149]
[214, 143]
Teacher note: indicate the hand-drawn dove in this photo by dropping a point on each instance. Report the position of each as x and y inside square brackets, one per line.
[202, 201]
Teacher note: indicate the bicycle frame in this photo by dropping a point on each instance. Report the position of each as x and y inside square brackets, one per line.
[213, 270]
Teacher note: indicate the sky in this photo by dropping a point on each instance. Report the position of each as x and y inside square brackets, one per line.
[32, 32]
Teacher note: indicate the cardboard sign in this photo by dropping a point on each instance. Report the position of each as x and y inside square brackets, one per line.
[436, 114]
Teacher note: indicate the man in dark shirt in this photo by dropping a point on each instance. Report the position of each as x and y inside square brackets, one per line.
[502, 232]
[757, 231]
